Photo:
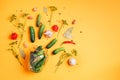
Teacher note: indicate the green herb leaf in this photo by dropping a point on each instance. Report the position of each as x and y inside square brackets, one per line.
[74, 51]
[53, 8]
[12, 43]
[13, 17]
[24, 15]
[64, 22]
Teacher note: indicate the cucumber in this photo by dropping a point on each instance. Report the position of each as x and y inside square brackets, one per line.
[58, 50]
[51, 43]
[38, 20]
[39, 48]
[40, 63]
[41, 29]
[32, 34]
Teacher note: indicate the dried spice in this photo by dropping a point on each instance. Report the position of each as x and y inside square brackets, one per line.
[24, 15]
[74, 52]
[14, 52]
[15, 45]
[73, 22]
[13, 17]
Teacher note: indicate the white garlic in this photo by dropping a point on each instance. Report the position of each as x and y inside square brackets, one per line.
[72, 61]
[48, 33]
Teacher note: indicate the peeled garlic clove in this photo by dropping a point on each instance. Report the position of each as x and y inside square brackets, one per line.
[72, 61]
[48, 33]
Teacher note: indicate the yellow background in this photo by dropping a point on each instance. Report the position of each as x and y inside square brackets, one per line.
[98, 46]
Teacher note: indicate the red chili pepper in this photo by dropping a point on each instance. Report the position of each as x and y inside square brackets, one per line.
[68, 42]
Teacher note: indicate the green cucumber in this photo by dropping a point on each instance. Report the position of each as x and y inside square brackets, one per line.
[39, 48]
[58, 50]
[41, 29]
[32, 34]
[38, 20]
[40, 63]
[40, 52]
[51, 43]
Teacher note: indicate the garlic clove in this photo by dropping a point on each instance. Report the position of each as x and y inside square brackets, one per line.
[72, 61]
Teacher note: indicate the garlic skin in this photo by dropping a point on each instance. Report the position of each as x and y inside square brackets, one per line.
[72, 61]
[48, 34]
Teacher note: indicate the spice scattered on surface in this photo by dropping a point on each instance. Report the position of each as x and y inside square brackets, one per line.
[34, 9]
[74, 52]
[81, 32]
[24, 15]
[59, 13]
[30, 17]
[13, 17]
[74, 21]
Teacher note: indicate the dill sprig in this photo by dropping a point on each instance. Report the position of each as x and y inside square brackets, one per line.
[52, 9]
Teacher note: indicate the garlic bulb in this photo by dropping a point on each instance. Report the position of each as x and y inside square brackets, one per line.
[72, 61]
[48, 33]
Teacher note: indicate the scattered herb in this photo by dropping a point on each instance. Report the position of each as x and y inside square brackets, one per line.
[81, 32]
[14, 52]
[24, 15]
[62, 58]
[64, 22]
[52, 9]
[13, 17]
[74, 52]
[13, 43]
[34, 9]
